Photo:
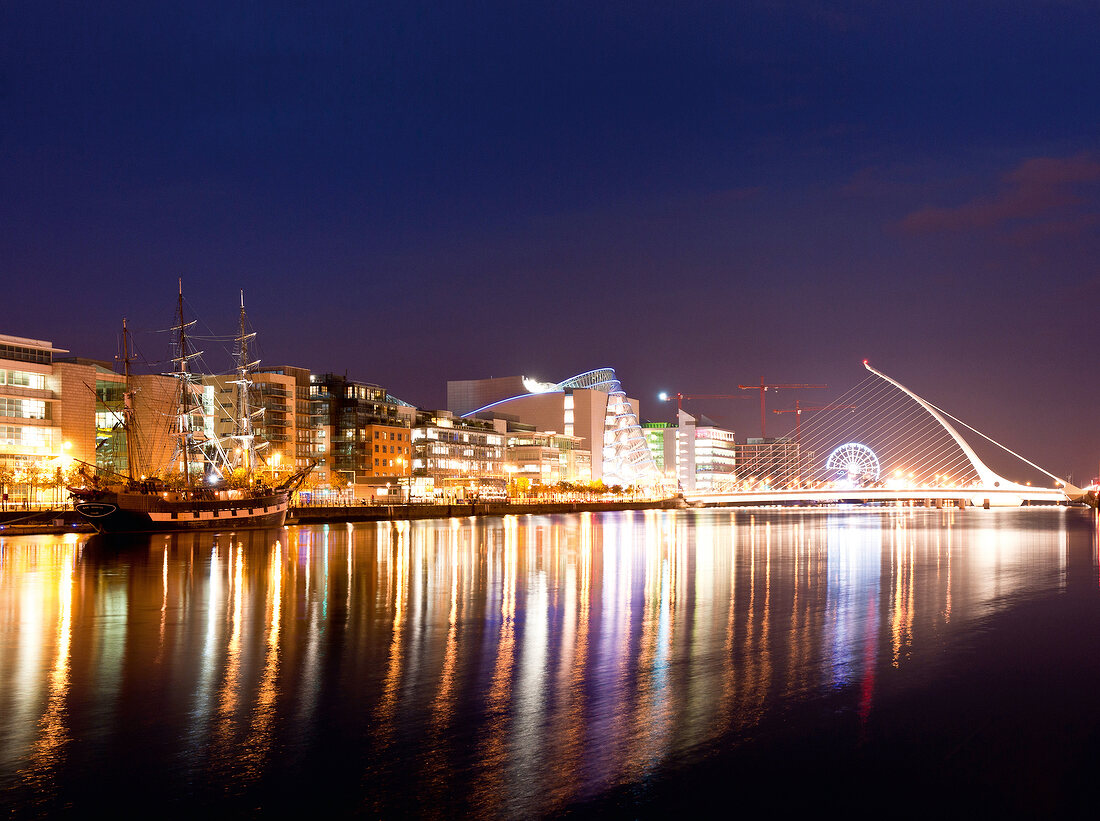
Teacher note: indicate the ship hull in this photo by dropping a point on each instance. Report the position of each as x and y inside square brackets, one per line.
[113, 512]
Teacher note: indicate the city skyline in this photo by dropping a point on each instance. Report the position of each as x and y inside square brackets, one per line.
[699, 197]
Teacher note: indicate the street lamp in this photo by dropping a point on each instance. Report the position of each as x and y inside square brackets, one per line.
[510, 471]
[405, 478]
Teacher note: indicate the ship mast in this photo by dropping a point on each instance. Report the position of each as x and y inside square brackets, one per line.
[244, 434]
[132, 466]
[184, 434]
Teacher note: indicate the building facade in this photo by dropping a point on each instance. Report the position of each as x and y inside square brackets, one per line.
[698, 457]
[772, 463]
[591, 406]
[306, 442]
[56, 412]
[274, 423]
[32, 445]
[546, 459]
[365, 434]
[456, 458]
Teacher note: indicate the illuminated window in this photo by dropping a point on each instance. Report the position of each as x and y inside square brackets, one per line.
[22, 379]
[23, 408]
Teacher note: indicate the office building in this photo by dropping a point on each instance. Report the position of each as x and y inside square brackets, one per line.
[535, 458]
[772, 463]
[695, 454]
[456, 458]
[364, 435]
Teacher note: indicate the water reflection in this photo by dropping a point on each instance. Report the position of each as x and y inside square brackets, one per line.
[499, 666]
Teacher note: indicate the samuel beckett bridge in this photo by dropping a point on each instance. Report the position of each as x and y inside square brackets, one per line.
[879, 442]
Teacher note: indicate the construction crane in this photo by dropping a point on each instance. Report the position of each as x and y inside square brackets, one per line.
[680, 397]
[798, 410]
[762, 387]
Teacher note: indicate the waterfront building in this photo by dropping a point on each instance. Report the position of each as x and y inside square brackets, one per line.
[467, 395]
[715, 456]
[307, 446]
[591, 406]
[768, 462]
[546, 458]
[31, 440]
[655, 434]
[92, 398]
[54, 411]
[695, 454]
[274, 422]
[457, 458]
[91, 416]
[88, 412]
[365, 434]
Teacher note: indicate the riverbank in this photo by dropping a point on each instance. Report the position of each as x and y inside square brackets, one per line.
[36, 522]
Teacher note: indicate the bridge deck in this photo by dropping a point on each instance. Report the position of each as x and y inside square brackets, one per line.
[977, 496]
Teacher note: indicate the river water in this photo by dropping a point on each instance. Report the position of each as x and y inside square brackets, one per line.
[618, 664]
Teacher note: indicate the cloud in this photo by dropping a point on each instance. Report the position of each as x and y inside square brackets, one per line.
[1040, 192]
[1056, 229]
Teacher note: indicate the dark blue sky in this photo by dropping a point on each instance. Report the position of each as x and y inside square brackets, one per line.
[698, 194]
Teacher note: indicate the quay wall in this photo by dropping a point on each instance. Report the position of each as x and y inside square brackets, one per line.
[381, 513]
[31, 522]
[17, 521]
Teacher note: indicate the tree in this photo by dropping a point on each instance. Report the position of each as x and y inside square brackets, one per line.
[57, 481]
[170, 479]
[7, 479]
[309, 484]
[35, 476]
[238, 479]
[338, 481]
[523, 485]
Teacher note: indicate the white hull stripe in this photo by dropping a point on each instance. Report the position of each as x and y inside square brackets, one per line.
[227, 514]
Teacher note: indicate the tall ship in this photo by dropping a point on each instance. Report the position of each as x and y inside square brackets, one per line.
[205, 485]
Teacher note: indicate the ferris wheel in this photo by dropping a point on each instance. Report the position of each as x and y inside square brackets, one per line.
[853, 462]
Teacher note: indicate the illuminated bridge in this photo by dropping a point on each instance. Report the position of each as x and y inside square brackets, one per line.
[880, 442]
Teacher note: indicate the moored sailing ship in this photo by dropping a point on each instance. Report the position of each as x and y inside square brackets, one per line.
[207, 486]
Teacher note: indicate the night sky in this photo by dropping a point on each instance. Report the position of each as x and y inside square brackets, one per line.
[696, 194]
